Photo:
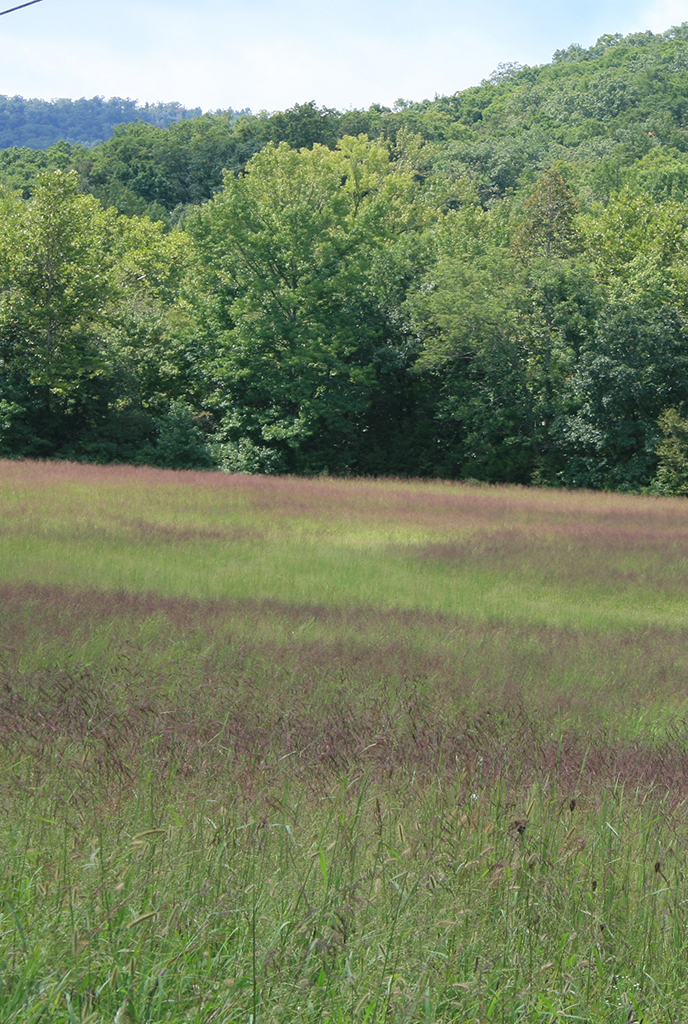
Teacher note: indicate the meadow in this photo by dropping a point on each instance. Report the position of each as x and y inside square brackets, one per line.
[279, 749]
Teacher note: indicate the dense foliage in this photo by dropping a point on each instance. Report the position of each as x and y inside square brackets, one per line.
[41, 123]
[489, 285]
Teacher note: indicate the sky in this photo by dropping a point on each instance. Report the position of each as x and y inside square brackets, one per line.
[271, 54]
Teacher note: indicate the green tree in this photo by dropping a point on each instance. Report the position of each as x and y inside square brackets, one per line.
[54, 284]
[634, 366]
[504, 334]
[95, 339]
[306, 272]
[672, 454]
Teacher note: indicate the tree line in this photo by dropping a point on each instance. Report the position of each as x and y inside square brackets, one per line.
[489, 286]
[39, 124]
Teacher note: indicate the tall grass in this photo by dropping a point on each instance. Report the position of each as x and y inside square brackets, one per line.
[173, 875]
[549, 557]
[283, 750]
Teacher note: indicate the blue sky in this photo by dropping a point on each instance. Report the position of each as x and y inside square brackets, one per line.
[269, 54]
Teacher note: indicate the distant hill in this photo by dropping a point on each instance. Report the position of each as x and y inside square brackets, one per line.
[38, 124]
[625, 93]
[613, 113]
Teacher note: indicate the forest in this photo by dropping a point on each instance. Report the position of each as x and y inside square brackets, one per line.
[38, 124]
[487, 286]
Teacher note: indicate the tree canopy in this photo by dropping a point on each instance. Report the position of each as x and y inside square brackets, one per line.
[490, 285]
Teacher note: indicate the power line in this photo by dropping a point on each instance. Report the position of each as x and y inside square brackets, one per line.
[10, 9]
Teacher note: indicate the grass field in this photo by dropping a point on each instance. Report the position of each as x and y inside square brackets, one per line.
[282, 750]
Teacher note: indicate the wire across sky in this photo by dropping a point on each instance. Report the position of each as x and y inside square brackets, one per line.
[19, 7]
